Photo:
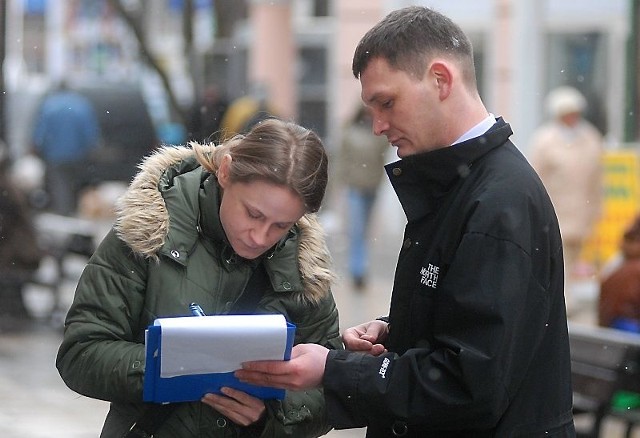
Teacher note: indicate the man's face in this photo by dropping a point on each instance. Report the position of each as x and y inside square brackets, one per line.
[404, 108]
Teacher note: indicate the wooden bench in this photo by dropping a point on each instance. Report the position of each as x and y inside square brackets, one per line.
[603, 361]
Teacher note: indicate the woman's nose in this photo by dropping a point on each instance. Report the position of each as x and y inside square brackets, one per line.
[260, 235]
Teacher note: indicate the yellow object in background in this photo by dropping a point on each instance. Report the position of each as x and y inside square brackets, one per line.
[621, 181]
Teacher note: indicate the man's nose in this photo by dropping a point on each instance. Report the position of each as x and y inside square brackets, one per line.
[380, 126]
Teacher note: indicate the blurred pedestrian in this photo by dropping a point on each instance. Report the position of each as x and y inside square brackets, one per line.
[567, 154]
[206, 116]
[361, 165]
[476, 342]
[619, 298]
[246, 111]
[66, 131]
[20, 254]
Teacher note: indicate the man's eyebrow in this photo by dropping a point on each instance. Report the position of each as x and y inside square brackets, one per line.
[374, 98]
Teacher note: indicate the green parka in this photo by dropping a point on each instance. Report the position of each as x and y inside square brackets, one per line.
[166, 250]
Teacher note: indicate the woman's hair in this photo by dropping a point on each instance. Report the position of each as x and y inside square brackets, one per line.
[277, 152]
[410, 37]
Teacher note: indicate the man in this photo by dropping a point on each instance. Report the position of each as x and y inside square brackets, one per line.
[66, 132]
[476, 343]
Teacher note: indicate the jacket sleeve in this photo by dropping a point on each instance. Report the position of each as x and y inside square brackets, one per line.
[303, 413]
[102, 353]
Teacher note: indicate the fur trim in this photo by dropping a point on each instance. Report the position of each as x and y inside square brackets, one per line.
[142, 222]
[314, 259]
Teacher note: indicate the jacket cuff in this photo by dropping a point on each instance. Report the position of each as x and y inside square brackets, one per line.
[340, 383]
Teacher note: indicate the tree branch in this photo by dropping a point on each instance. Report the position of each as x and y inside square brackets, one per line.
[147, 56]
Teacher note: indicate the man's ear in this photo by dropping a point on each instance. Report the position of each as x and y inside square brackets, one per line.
[440, 71]
[223, 171]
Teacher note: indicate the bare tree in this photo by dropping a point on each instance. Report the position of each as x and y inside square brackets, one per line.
[133, 18]
[226, 14]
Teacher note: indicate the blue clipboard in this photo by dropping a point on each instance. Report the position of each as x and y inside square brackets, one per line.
[193, 387]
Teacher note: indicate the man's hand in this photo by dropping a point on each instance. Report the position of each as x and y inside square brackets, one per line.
[304, 371]
[237, 406]
[367, 337]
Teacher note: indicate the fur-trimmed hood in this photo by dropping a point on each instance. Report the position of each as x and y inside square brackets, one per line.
[143, 221]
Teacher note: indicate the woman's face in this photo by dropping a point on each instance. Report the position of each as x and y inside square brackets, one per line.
[256, 215]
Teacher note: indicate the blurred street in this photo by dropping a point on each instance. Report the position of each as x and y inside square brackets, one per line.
[35, 403]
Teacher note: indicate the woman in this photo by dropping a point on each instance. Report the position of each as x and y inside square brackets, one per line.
[567, 152]
[193, 226]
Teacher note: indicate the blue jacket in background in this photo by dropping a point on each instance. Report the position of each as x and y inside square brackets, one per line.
[66, 128]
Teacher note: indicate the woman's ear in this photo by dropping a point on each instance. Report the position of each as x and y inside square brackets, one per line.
[223, 171]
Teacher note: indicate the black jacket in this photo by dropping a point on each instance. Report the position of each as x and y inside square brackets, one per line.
[478, 343]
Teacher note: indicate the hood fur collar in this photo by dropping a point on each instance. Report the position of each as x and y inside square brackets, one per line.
[142, 222]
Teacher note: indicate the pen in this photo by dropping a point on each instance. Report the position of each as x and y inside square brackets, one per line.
[196, 310]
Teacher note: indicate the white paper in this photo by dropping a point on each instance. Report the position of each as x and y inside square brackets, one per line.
[219, 343]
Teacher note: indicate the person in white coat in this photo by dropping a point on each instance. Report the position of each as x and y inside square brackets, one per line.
[567, 154]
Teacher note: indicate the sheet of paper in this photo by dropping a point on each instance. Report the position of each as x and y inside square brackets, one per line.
[219, 343]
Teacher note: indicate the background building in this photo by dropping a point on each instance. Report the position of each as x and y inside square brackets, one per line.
[299, 53]
[296, 54]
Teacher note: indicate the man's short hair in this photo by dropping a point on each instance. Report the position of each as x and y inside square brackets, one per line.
[410, 37]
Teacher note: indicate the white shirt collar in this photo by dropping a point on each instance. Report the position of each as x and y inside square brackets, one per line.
[478, 129]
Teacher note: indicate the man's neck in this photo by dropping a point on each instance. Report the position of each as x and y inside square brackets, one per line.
[478, 129]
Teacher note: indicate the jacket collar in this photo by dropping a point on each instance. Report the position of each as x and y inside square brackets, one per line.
[421, 179]
[211, 226]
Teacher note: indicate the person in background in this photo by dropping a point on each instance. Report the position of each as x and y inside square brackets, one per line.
[476, 341]
[619, 298]
[66, 131]
[246, 111]
[567, 154]
[361, 164]
[206, 116]
[20, 253]
[194, 226]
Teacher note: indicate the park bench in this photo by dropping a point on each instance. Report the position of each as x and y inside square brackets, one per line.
[60, 238]
[603, 362]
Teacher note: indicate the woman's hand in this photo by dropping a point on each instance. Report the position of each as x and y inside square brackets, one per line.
[239, 407]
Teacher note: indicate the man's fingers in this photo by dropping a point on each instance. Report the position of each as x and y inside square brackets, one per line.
[266, 366]
[358, 344]
[261, 379]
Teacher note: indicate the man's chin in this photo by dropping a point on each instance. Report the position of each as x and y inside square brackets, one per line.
[402, 153]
